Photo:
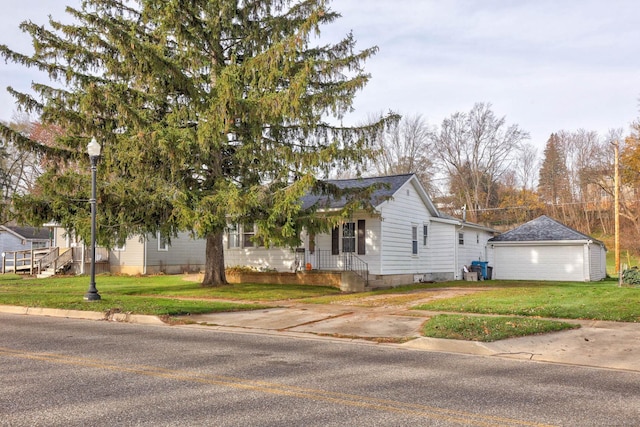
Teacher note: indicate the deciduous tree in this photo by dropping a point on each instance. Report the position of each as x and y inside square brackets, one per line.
[475, 149]
[405, 147]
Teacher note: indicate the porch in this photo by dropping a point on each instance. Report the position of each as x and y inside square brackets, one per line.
[48, 262]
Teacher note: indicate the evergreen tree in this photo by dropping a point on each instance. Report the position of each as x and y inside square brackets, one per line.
[553, 184]
[208, 111]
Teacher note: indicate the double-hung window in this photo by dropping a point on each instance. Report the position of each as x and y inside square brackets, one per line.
[414, 240]
[163, 243]
[425, 235]
[349, 237]
[233, 236]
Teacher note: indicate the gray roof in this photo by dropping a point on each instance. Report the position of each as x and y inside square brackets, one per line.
[387, 187]
[541, 229]
[28, 233]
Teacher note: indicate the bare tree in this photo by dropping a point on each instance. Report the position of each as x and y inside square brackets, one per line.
[526, 166]
[20, 168]
[405, 147]
[475, 149]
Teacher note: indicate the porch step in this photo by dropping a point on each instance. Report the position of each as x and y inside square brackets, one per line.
[49, 272]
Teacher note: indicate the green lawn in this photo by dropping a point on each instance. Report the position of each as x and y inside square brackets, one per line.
[154, 295]
[487, 329]
[569, 300]
[524, 302]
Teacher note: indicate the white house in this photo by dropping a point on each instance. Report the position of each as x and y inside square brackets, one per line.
[406, 239]
[545, 249]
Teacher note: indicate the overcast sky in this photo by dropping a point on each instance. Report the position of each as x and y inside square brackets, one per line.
[546, 65]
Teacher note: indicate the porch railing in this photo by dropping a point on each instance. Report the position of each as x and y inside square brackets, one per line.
[346, 261]
[25, 260]
[48, 259]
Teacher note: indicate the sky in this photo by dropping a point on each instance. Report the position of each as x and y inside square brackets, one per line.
[544, 65]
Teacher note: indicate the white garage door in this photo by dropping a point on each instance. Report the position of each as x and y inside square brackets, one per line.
[539, 263]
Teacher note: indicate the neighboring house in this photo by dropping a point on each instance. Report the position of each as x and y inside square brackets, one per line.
[545, 249]
[14, 238]
[23, 247]
[139, 255]
[406, 239]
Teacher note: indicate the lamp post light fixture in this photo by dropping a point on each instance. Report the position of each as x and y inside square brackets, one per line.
[93, 148]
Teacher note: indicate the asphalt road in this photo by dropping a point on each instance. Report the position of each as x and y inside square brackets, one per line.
[65, 372]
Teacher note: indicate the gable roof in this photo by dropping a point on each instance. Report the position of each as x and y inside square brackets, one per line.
[387, 187]
[542, 229]
[27, 233]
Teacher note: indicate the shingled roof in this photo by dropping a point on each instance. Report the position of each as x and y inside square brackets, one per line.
[27, 233]
[387, 187]
[541, 229]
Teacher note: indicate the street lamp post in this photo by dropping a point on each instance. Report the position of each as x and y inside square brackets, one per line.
[94, 153]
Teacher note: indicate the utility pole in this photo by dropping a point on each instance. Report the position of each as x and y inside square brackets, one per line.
[616, 201]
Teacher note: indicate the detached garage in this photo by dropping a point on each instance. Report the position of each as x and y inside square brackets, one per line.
[545, 249]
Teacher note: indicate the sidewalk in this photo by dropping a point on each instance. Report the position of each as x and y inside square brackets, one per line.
[613, 345]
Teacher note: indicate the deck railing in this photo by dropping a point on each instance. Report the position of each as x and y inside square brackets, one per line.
[48, 259]
[26, 260]
[347, 261]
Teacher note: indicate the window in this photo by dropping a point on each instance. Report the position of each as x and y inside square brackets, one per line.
[478, 238]
[233, 236]
[425, 234]
[163, 243]
[461, 238]
[414, 240]
[349, 237]
[248, 237]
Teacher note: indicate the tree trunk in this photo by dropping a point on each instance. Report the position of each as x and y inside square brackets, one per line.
[214, 274]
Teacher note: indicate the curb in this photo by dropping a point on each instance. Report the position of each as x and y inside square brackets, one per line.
[81, 314]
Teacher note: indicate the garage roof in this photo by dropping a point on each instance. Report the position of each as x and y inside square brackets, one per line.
[542, 228]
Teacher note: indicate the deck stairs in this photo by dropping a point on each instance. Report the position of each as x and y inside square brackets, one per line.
[54, 263]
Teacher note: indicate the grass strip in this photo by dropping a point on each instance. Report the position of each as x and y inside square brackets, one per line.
[489, 328]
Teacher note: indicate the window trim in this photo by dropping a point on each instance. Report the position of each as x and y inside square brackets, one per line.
[163, 243]
[425, 235]
[414, 239]
[248, 237]
[233, 230]
[349, 239]
[460, 238]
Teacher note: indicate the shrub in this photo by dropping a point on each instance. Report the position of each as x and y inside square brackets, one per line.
[631, 276]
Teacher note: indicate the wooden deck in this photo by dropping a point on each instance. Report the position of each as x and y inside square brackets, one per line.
[23, 261]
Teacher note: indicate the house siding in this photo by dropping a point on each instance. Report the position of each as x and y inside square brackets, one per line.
[597, 262]
[441, 248]
[405, 211]
[185, 255]
[9, 243]
[131, 259]
[474, 248]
